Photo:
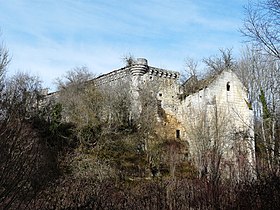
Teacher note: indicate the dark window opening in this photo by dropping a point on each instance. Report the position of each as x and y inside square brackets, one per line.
[177, 134]
[159, 108]
[228, 86]
[160, 94]
[159, 104]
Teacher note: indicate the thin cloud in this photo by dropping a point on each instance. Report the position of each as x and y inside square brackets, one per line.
[50, 37]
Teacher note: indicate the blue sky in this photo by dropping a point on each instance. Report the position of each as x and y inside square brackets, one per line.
[49, 37]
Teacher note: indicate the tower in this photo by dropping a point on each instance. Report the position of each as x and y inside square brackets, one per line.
[137, 70]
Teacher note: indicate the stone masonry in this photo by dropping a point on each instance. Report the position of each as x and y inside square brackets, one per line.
[219, 104]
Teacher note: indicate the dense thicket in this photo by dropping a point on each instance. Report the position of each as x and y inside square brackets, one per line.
[84, 151]
[31, 141]
[91, 160]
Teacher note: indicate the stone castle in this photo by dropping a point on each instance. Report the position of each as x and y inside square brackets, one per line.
[210, 113]
[206, 112]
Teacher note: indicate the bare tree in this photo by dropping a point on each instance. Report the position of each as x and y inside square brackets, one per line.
[260, 74]
[81, 103]
[212, 144]
[191, 70]
[262, 25]
[21, 155]
[76, 76]
[216, 64]
[24, 155]
[116, 104]
[129, 59]
[4, 60]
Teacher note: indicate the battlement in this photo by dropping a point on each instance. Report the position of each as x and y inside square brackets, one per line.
[163, 73]
[139, 68]
[221, 96]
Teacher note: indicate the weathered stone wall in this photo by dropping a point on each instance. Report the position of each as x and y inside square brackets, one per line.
[227, 93]
[225, 97]
[141, 77]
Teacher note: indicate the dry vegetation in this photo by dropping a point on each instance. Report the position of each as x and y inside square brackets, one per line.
[81, 152]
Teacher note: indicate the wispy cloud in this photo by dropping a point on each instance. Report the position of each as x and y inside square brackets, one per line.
[50, 37]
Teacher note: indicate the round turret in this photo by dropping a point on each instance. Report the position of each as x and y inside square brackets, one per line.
[140, 67]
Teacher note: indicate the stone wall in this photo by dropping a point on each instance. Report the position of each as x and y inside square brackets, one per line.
[224, 97]
[220, 105]
[141, 77]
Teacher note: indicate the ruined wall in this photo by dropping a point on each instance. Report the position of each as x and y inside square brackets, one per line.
[227, 93]
[139, 74]
[220, 105]
[224, 97]
[141, 79]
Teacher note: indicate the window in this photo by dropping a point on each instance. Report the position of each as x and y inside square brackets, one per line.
[159, 104]
[177, 134]
[159, 108]
[228, 86]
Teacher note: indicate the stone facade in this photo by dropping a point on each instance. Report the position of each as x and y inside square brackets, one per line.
[219, 104]
[217, 109]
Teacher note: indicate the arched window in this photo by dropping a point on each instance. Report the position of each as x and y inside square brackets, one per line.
[228, 86]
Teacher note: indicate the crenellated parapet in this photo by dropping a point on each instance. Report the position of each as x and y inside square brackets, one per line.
[163, 73]
[138, 69]
[222, 96]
